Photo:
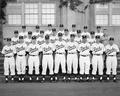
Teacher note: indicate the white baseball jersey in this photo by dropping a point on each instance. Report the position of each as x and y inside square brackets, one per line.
[37, 34]
[21, 49]
[15, 40]
[33, 49]
[53, 38]
[72, 47]
[40, 40]
[27, 40]
[86, 33]
[66, 38]
[48, 32]
[84, 48]
[47, 48]
[24, 34]
[8, 50]
[60, 46]
[91, 40]
[75, 33]
[78, 39]
[97, 48]
[62, 31]
[111, 50]
[99, 34]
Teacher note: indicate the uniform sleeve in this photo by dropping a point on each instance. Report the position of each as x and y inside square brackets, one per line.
[77, 46]
[3, 50]
[14, 50]
[91, 48]
[103, 47]
[53, 47]
[117, 48]
[66, 46]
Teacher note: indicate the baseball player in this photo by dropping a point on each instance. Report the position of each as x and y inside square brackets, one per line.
[36, 33]
[97, 60]
[85, 32]
[53, 37]
[9, 62]
[24, 33]
[41, 39]
[21, 58]
[84, 59]
[60, 46]
[33, 61]
[47, 48]
[29, 38]
[61, 29]
[92, 39]
[78, 38]
[66, 36]
[72, 58]
[49, 30]
[15, 38]
[74, 31]
[99, 32]
[111, 62]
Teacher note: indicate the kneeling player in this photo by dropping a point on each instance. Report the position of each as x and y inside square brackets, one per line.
[33, 60]
[111, 62]
[47, 48]
[9, 62]
[72, 58]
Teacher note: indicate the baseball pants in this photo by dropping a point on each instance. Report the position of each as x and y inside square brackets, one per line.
[60, 59]
[33, 62]
[97, 62]
[72, 62]
[111, 65]
[84, 64]
[9, 66]
[21, 65]
[47, 61]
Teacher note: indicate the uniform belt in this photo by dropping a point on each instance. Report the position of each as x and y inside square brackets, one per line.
[8, 56]
[21, 55]
[111, 55]
[33, 55]
[98, 54]
[60, 53]
[47, 54]
[72, 53]
[84, 55]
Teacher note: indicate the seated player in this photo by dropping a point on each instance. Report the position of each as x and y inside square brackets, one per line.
[9, 61]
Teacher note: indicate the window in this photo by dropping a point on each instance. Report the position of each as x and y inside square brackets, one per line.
[102, 20]
[31, 14]
[107, 14]
[14, 19]
[48, 14]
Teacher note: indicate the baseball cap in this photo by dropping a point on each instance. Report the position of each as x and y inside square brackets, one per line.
[73, 25]
[78, 31]
[34, 38]
[92, 32]
[47, 37]
[85, 27]
[37, 27]
[49, 25]
[53, 29]
[20, 37]
[16, 32]
[41, 31]
[84, 37]
[111, 39]
[97, 37]
[65, 29]
[72, 35]
[60, 34]
[29, 32]
[8, 39]
[23, 27]
[61, 25]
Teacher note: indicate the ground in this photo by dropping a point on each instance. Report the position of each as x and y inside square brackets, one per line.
[60, 89]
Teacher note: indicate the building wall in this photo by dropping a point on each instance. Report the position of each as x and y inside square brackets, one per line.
[67, 17]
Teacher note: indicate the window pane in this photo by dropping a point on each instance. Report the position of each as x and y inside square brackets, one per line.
[115, 19]
[101, 7]
[102, 20]
[31, 8]
[31, 19]
[14, 19]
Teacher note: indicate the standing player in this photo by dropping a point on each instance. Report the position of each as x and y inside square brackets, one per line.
[49, 30]
[53, 37]
[84, 59]
[99, 32]
[78, 38]
[36, 33]
[60, 47]
[29, 38]
[21, 59]
[74, 31]
[72, 58]
[23, 33]
[92, 40]
[97, 60]
[9, 62]
[15, 38]
[85, 32]
[111, 62]
[66, 36]
[61, 29]
[47, 48]
[33, 60]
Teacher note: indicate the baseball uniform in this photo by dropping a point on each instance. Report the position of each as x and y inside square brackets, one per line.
[60, 47]
[48, 32]
[24, 34]
[36, 34]
[47, 60]
[33, 60]
[97, 60]
[85, 34]
[84, 59]
[72, 58]
[21, 59]
[9, 62]
[66, 38]
[15, 40]
[111, 61]
[27, 41]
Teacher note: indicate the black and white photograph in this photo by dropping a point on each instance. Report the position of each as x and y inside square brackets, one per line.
[59, 47]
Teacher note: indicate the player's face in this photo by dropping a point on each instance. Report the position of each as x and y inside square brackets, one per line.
[78, 34]
[98, 29]
[42, 34]
[72, 38]
[111, 42]
[8, 42]
[66, 32]
[47, 40]
[84, 40]
[49, 28]
[54, 32]
[29, 35]
[16, 35]
[24, 29]
[21, 40]
[85, 30]
[92, 35]
[33, 41]
[37, 30]
[97, 40]
[73, 28]
[60, 37]
[61, 28]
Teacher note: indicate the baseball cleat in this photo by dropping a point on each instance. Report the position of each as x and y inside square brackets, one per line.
[22, 79]
[6, 80]
[87, 78]
[101, 79]
[64, 78]
[37, 78]
[12, 79]
[114, 79]
[43, 79]
[30, 78]
[108, 78]
[19, 79]
[56, 78]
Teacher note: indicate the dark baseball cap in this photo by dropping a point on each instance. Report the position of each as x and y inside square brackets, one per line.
[47, 37]
[111, 39]
[34, 38]
[37, 27]
[72, 35]
[84, 37]
[23, 27]
[60, 34]
[85, 27]
[78, 31]
[73, 25]
[29, 32]
[16, 32]
[20, 37]
[61, 25]
[92, 32]
[49, 25]
[41, 31]
[97, 37]
[8, 39]
[66, 30]
[53, 29]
